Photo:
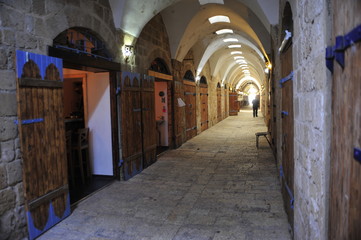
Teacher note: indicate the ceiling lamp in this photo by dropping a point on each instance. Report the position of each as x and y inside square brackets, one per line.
[219, 18]
[230, 40]
[234, 46]
[203, 2]
[224, 31]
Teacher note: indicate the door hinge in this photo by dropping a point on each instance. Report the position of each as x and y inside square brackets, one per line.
[29, 121]
[341, 44]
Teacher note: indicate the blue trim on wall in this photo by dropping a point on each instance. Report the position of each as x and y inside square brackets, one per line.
[41, 60]
[52, 220]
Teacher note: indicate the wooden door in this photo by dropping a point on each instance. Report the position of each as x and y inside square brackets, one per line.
[287, 133]
[131, 109]
[345, 185]
[219, 104]
[204, 107]
[179, 114]
[42, 140]
[233, 104]
[148, 122]
[190, 109]
[226, 106]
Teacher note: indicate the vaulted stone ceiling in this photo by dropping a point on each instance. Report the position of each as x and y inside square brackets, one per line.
[188, 28]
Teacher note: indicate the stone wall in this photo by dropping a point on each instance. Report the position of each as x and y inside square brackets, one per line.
[152, 43]
[312, 114]
[32, 26]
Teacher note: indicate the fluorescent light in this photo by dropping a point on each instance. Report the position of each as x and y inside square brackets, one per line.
[203, 2]
[219, 18]
[234, 46]
[236, 52]
[238, 57]
[230, 40]
[241, 61]
[223, 31]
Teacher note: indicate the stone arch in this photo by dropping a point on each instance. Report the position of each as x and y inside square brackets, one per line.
[72, 16]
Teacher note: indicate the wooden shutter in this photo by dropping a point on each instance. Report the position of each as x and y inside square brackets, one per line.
[148, 122]
[190, 109]
[179, 114]
[204, 107]
[131, 124]
[345, 185]
[233, 104]
[287, 134]
[42, 140]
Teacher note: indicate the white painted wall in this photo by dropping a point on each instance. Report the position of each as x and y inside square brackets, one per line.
[98, 122]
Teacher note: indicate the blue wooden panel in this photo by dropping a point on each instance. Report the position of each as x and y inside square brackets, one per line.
[41, 60]
[131, 76]
[52, 220]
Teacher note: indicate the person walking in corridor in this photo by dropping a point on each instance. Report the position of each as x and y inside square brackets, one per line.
[255, 104]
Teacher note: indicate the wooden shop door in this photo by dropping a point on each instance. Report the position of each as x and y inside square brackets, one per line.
[42, 139]
[138, 123]
[345, 185]
[204, 106]
[233, 104]
[131, 109]
[179, 113]
[148, 122]
[190, 109]
[219, 104]
[287, 133]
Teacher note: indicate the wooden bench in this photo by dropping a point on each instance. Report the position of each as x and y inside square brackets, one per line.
[258, 134]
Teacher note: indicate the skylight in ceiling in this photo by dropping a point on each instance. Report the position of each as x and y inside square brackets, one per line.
[203, 2]
[235, 46]
[219, 18]
[224, 31]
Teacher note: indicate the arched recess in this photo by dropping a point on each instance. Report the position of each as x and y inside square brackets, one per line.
[203, 98]
[190, 108]
[82, 40]
[287, 120]
[89, 70]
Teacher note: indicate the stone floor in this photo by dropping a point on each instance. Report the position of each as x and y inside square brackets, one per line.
[216, 186]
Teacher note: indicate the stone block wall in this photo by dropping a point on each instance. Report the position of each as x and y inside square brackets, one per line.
[32, 26]
[312, 117]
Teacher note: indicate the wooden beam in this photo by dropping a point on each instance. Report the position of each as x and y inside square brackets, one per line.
[160, 75]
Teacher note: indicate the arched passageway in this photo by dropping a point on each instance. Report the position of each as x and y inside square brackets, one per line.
[216, 185]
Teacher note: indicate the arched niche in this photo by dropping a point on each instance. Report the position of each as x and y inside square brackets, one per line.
[189, 76]
[159, 65]
[82, 41]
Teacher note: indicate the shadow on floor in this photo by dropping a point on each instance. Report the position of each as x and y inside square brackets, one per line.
[80, 191]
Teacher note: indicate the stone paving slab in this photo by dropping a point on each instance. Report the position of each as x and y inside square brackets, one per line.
[216, 186]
